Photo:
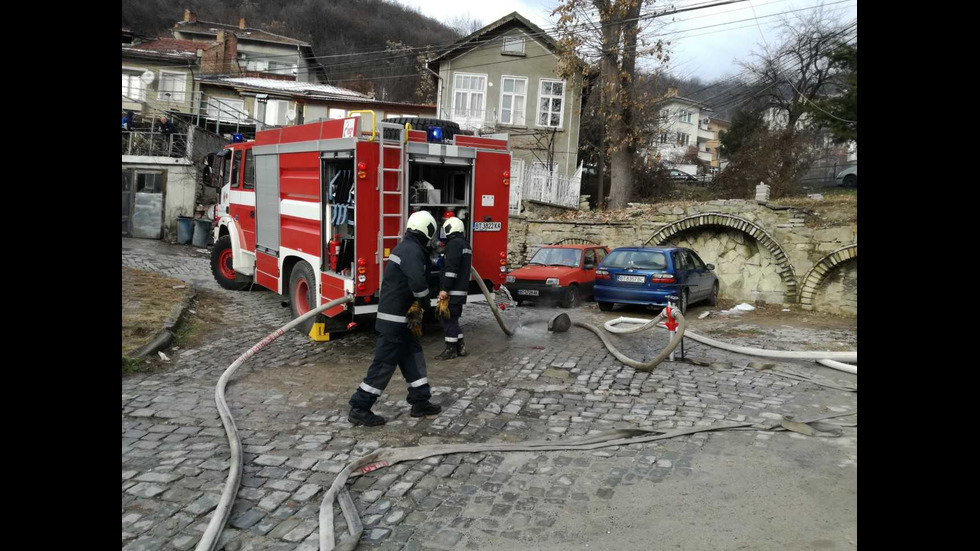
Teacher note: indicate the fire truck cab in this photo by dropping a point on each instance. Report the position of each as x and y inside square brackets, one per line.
[313, 211]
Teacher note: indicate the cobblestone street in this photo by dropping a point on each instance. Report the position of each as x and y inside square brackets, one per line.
[726, 490]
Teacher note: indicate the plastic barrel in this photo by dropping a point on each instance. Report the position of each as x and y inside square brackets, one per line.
[185, 230]
[201, 230]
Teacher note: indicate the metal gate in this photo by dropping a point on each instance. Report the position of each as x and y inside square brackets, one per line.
[147, 220]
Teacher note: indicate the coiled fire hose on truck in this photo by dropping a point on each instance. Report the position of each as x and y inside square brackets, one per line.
[385, 457]
[824, 358]
[221, 513]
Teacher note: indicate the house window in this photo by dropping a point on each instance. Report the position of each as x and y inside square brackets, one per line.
[149, 182]
[685, 116]
[665, 115]
[551, 102]
[469, 96]
[132, 87]
[513, 100]
[172, 86]
[275, 112]
[683, 139]
[663, 137]
[337, 113]
[226, 109]
[513, 45]
[233, 173]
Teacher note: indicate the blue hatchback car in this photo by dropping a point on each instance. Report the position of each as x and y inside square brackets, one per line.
[648, 275]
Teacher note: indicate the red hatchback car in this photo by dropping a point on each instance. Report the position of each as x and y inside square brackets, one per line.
[562, 272]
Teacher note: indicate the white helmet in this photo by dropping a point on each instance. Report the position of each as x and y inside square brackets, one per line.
[452, 225]
[422, 221]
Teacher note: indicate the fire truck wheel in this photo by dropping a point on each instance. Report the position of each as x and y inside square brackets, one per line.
[302, 294]
[221, 268]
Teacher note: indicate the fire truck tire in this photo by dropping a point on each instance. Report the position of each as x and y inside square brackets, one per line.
[221, 268]
[302, 294]
[449, 128]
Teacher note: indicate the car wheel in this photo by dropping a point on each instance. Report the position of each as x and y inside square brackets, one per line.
[569, 297]
[850, 180]
[302, 294]
[221, 266]
[519, 301]
[684, 302]
[713, 298]
[606, 306]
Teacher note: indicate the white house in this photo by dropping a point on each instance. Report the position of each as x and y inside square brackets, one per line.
[683, 123]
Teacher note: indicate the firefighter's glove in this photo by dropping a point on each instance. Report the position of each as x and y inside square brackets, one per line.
[415, 319]
[442, 308]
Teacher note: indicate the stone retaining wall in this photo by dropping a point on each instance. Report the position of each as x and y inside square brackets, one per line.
[760, 252]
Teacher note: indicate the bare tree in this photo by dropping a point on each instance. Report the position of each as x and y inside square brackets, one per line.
[606, 37]
[464, 25]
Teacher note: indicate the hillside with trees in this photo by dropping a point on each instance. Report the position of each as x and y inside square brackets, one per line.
[333, 27]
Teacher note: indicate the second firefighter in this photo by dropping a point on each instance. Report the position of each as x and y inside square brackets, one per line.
[454, 284]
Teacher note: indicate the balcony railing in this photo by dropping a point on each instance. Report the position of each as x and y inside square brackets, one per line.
[154, 144]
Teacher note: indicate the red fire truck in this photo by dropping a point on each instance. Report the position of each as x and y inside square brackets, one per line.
[313, 211]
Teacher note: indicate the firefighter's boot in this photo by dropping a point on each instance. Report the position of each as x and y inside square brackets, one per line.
[360, 416]
[461, 348]
[425, 408]
[449, 353]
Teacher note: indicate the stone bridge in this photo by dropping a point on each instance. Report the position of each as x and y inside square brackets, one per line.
[775, 254]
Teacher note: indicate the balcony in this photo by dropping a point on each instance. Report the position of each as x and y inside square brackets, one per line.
[154, 144]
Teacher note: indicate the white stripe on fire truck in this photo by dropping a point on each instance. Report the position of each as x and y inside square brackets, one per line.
[242, 198]
[300, 209]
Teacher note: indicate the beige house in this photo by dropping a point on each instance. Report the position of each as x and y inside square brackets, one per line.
[158, 72]
[502, 79]
[713, 145]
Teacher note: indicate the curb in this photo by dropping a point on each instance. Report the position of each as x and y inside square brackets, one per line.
[164, 336]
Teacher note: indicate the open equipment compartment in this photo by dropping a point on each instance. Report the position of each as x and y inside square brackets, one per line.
[339, 178]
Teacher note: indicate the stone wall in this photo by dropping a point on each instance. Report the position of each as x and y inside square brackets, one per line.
[760, 252]
[837, 293]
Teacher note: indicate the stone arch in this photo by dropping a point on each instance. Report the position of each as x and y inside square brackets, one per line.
[815, 276]
[783, 267]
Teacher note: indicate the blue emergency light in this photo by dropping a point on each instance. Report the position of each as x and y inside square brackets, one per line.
[238, 138]
[433, 134]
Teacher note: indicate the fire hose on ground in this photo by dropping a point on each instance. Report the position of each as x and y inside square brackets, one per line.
[209, 540]
[826, 358]
[389, 456]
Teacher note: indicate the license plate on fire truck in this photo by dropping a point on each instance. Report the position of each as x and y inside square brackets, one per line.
[528, 292]
[630, 279]
[486, 226]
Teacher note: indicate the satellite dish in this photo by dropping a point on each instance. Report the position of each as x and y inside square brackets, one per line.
[291, 115]
[147, 77]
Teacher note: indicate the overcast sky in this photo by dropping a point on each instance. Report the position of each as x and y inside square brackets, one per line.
[708, 53]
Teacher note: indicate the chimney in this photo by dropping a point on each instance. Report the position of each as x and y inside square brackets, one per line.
[671, 92]
[190, 16]
[241, 23]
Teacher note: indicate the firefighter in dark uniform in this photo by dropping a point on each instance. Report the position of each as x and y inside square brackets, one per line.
[404, 283]
[455, 283]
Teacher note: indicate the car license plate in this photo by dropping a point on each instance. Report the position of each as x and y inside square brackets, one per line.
[528, 292]
[486, 226]
[631, 279]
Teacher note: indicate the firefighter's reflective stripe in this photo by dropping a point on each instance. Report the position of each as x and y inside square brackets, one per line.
[395, 258]
[420, 382]
[450, 274]
[390, 317]
[467, 251]
[421, 293]
[458, 293]
[368, 388]
[452, 339]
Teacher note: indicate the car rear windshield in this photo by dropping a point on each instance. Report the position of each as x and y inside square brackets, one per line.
[644, 260]
[557, 257]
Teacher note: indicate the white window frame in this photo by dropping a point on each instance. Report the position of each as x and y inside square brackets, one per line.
[178, 96]
[683, 138]
[132, 77]
[230, 108]
[465, 116]
[513, 104]
[541, 95]
[685, 116]
[335, 113]
[510, 40]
